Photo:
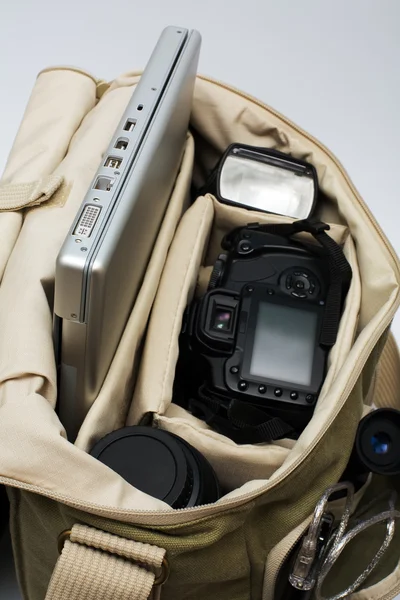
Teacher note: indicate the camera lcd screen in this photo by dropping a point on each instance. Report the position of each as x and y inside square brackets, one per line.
[284, 344]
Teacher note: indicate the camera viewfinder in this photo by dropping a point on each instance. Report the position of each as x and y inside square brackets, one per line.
[222, 320]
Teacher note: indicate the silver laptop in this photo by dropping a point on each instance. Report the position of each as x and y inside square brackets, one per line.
[102, 262]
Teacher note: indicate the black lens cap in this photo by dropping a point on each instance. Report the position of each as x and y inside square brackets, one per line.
[161, 464]
[378, 441]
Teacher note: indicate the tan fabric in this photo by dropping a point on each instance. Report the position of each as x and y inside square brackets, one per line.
[227, 218]
[387, 385]
[20, 276]
[387, 589]
[58, 103]
[10, 225]
[23, 195]
[142, 553]
[60, 99]
[219, 550]
[27, 285]
[90, 566]
[190, 243]
[222, 117]
[234, 464]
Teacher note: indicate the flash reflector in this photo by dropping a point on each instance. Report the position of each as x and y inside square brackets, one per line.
[266, 180]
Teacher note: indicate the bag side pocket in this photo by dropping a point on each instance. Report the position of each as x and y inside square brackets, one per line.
[280, 559]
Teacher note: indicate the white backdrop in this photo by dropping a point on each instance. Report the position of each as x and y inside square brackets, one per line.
[330, 66]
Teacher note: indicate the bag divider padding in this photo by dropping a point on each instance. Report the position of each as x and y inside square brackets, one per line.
[204, 224]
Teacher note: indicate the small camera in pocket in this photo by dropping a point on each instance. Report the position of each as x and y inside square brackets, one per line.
[260, 330]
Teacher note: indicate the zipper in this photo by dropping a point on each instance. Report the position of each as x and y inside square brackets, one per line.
[181, 515]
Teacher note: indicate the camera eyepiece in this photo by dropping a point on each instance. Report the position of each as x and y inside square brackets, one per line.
[378, 441]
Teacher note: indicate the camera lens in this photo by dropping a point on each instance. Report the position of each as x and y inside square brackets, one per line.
[222, 319]
[378, 441]
[160, 464]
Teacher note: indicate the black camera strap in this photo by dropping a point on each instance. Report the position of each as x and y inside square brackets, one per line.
[241, 422]
[339, 268]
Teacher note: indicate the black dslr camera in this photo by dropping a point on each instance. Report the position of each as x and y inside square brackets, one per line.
[259, 337]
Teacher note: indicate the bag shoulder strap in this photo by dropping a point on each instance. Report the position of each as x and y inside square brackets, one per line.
[99, 565]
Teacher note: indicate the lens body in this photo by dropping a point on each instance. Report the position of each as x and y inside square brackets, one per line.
[160, 464]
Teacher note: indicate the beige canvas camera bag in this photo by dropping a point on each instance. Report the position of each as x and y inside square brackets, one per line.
[78, 529]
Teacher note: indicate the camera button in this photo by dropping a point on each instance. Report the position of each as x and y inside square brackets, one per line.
[262, 389]
[289, 282]
[310, 398]
[234, 370]
[270, 292]
[243, 385]
[294, 395]
[301, 295]
[278, 392]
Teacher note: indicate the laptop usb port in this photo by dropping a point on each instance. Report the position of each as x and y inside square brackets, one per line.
[113, 162]
[130, 125]
[104, 183]
[121, 144]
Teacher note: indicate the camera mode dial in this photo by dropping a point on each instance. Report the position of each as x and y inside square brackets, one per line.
[300, 283]
[217, 272]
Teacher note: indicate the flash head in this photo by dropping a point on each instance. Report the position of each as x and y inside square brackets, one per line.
[265, 180]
